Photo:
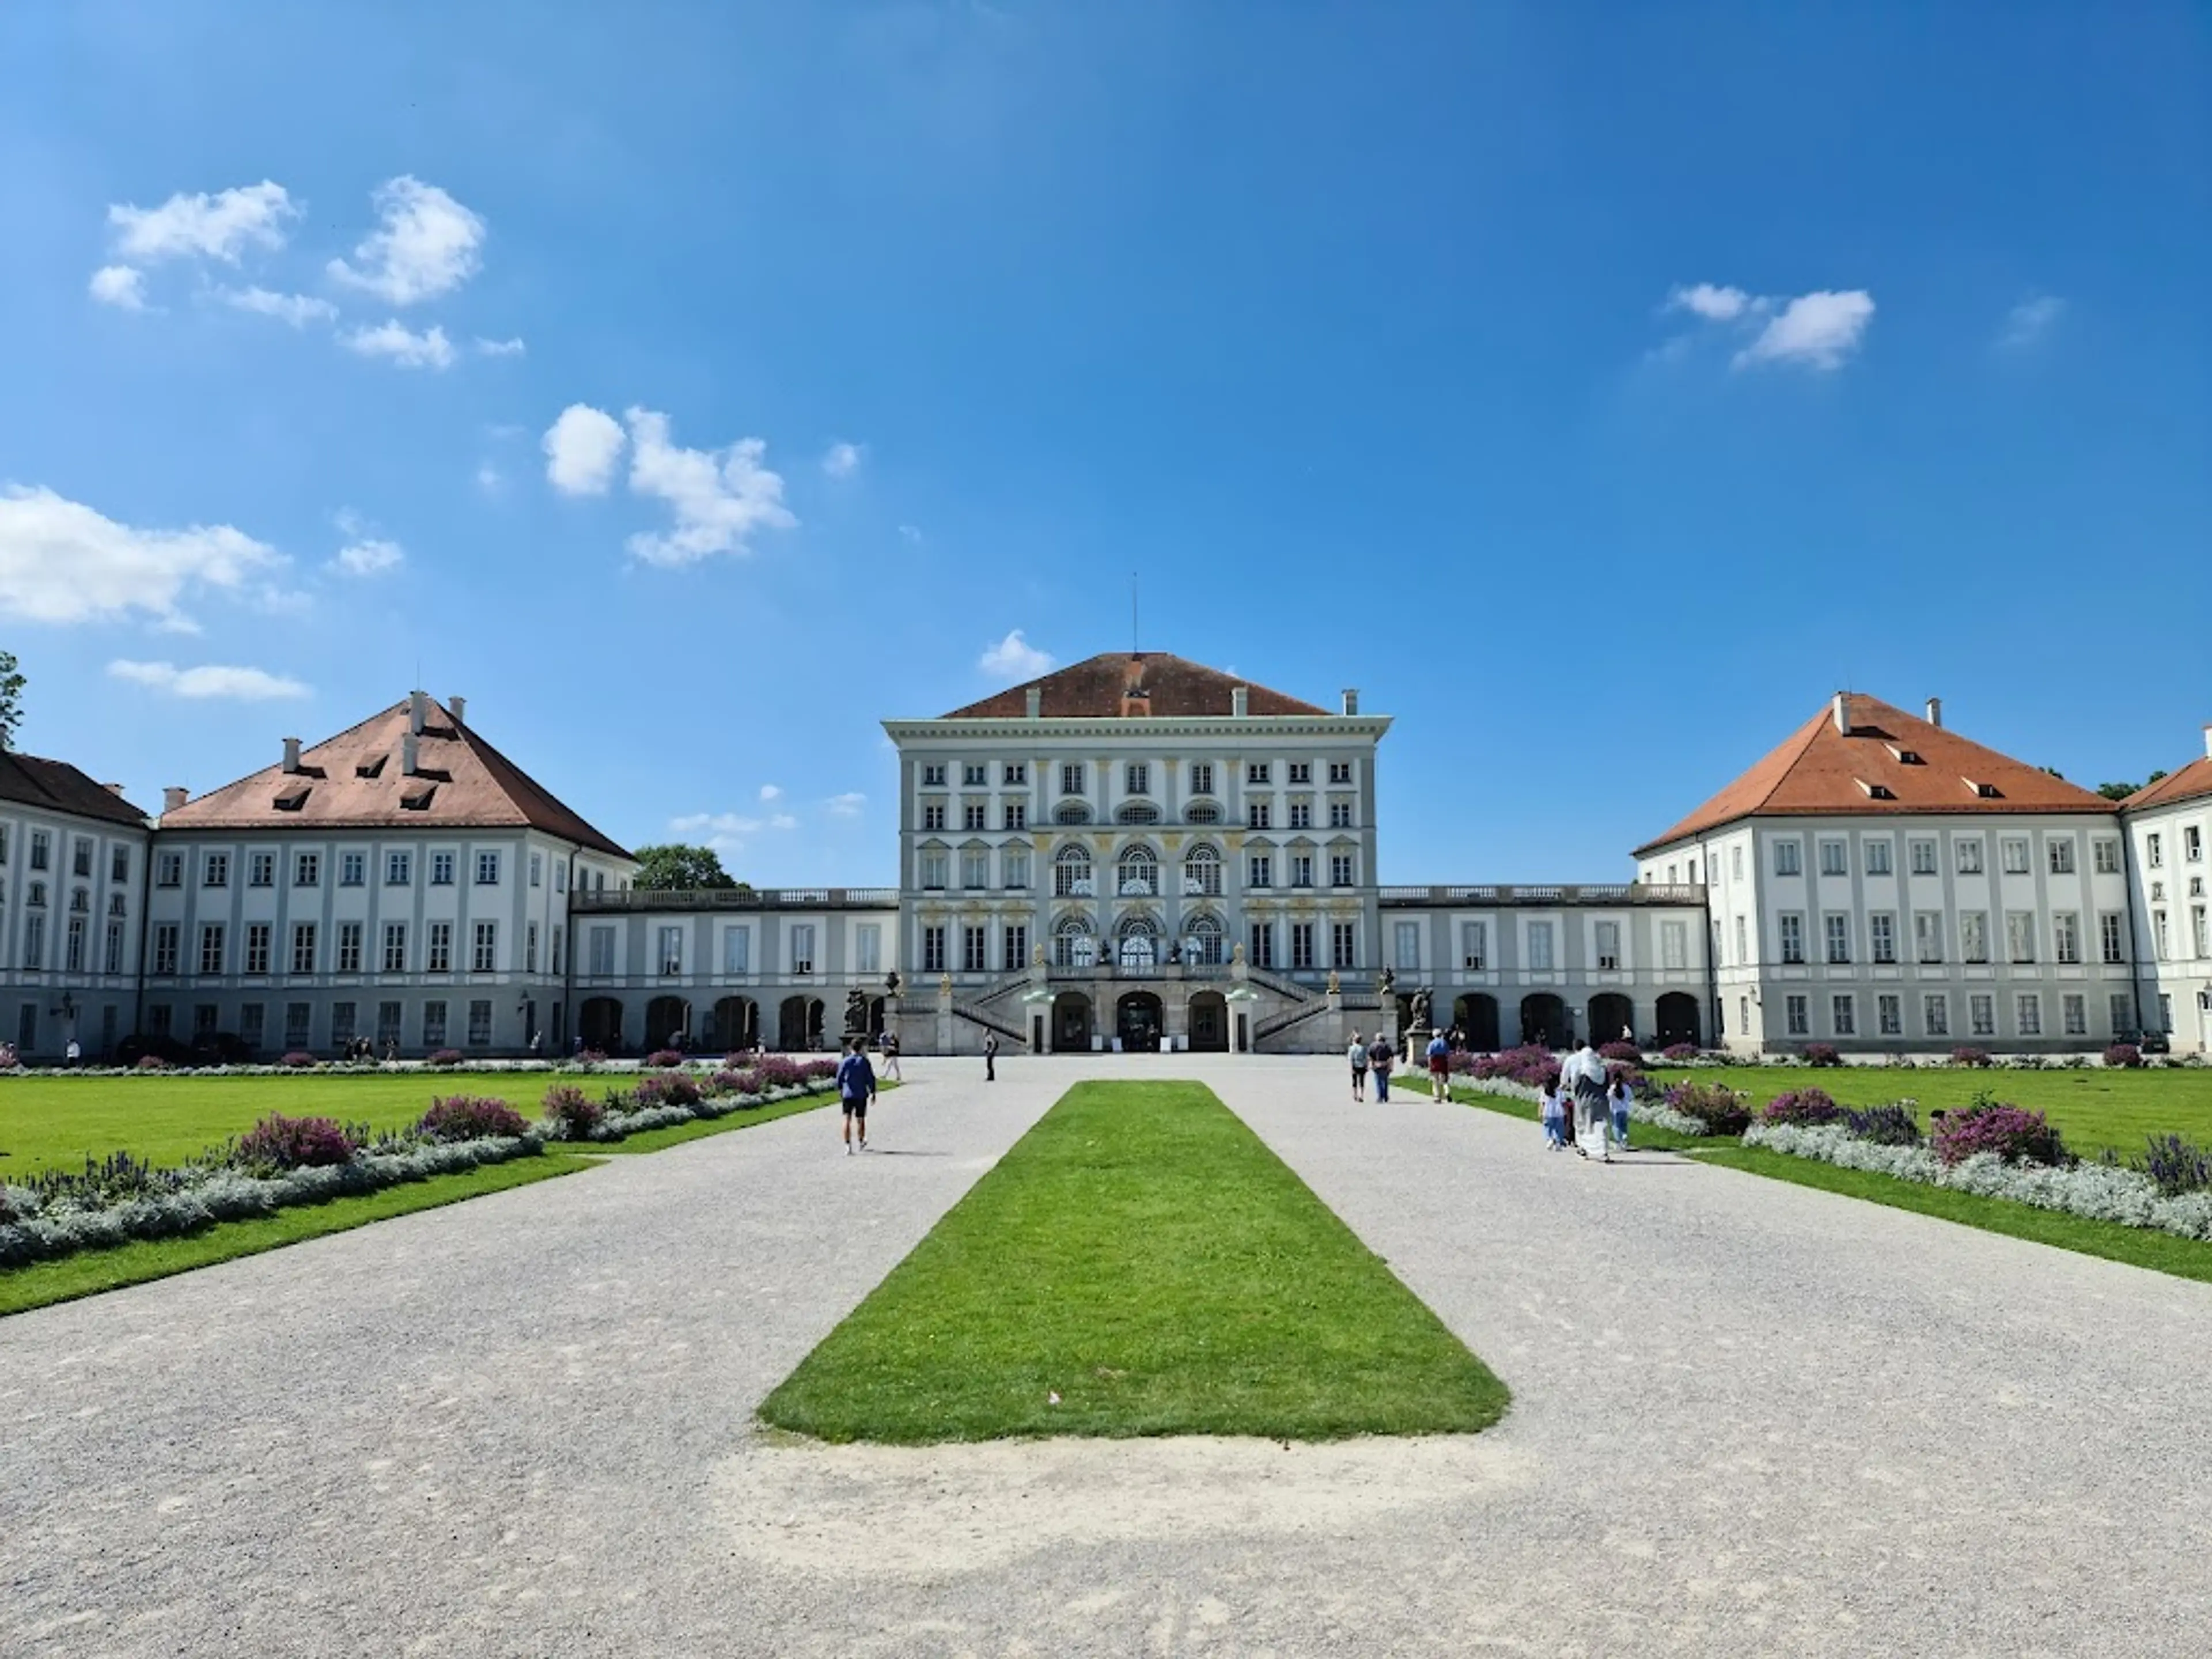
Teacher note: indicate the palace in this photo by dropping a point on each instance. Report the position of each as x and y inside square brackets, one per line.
[1135, 850]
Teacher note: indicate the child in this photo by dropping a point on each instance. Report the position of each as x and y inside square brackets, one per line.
[1553, 1112]
[1617, 1095]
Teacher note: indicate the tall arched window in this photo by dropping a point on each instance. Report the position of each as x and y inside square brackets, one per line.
[1206, 936]
[1140, 942]
[1070, 873]
[1073, 944]
[1140, 873]
[1201, 873]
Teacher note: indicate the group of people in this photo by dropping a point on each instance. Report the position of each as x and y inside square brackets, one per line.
[1586, 1108]
[1378, 1059]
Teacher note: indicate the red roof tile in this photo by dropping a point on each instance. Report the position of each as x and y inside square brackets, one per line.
[1122, 684]
[356, 781]
[1819, 770]
[2191, 781]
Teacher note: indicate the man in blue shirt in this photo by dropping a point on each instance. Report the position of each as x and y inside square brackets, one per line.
[856, 1087]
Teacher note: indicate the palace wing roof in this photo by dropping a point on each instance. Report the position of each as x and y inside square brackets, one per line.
[60, 788]
[1122, 684]
[1889, 762]
[2191, 781]
[356, 780]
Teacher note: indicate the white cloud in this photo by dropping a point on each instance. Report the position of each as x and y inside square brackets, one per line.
[511, 347]
[61, 561]
[244, 685]
[1816, 329]
[724, 830]
[429, 349]
[490, 479]
[1014, 658]
[842, 460]
[719, 497]
[218, 226]
[2031, 320]
[846, 806]
[121, 286]
[1717, 305]
[297, 309]
[428, 244]
[371, 557]
[771, 792]
[582, 448]
[910, 532]
[782, 821]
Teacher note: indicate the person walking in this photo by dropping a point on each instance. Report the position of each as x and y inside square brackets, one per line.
[1358, 1055]
[73, 1054]
[1381, 1057]
[990, 1057]
[1439, 1068]
[1554, 1116]
[1617, 1095]
[890, 1056]
[1584, 1076]
[856, 1087]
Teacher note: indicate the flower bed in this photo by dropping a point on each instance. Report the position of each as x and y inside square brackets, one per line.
[662, 1099]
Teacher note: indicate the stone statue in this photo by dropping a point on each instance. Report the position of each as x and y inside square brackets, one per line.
[856, 1011]
[1333, 986]
[945, 985]
[1236, 951]
[892, 983]
[1037, 955]
[1420, 1011]
[1388, 983]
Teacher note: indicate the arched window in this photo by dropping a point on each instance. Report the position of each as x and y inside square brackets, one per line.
[1072, 812]
[1201, 873]
[1140, 873]
[1073, 944]
[1138, 941]
[1204, 938]
[1202, 811]
[1137, 812]
[1070, 873]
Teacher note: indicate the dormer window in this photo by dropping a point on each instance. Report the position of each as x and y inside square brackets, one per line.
[1877, 791]
[1985, 791]
[1905, 757]
[373, 769]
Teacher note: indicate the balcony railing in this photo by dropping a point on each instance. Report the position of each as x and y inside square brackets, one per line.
[729, 898]
[1620, 893]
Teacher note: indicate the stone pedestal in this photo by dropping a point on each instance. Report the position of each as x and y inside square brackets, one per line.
[1416, 1048]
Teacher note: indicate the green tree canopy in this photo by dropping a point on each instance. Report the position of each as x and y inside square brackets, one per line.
[2121, 790]
[676, 866]
[11, 699]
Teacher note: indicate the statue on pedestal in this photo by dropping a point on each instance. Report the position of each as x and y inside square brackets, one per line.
[1387, 982]
[1421, 1011]
[1333, 987]
[856, 1013]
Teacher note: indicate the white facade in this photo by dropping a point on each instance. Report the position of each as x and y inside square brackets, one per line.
[71, 915]
[2167, 856]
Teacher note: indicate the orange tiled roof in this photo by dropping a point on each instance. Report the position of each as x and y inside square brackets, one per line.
[2191, 781]
[1819, 770]
[60, 788]
[1118, 685]
[356, 781]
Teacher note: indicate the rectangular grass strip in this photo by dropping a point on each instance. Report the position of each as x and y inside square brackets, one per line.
[1141, 1255]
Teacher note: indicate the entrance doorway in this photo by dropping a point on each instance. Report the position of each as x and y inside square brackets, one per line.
[1476, 1016]
[601, 1024]
[1209, 1022]
[1070, 1023]
[734, 1025]
[1678, 1019]
[667, 1020]
[1610, 1014]
[1138, 1022]
[798, 1025]
[1544, 1020]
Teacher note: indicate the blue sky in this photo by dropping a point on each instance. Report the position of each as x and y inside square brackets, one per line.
[1597, 388]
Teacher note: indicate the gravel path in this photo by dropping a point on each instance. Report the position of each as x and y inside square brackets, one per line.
[1748, 1416]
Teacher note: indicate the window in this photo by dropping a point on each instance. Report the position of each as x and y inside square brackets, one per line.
[298, 1029]
[2020, 935]
[441, 869]
[2061, 857]
[1889, 1014]
[1675, 944]
[1923, 854]
[399, 869]
[1837, 931]
[41, 848]
[1877, 857]
[1260, 945]
[117, 905]
[1835, 858]
[1302, 870]
[1797, 1015]
[169, 870]
[2108, 937]
[1475, 945]
[2200, 932]
[2074, 1014]
[671, 953]
[434, 1024]
[307, 870]
[1258, 774]
[1742, 942]
[216, 872]
[1607, 937]
[2193, 844]
[165, 947]
[2066, 937]
[1201, 873]
[1339, 815]
[1302, 945]
[1259, 870]
[538, 869]
[973, 945]
[1070, 873]
[260, 870]
[303, 947]
[1981, 1015]
[1138, 875]
[1017, 815]
[560, 877]
[1014, 862]
[975, 870]
[342, 1020]
[480, 1024]
[484, 959]
[114, 958]
[1137, 779]
[559, 935]
[933, 816]
[1793, 936]
[2154, 851]
[1344, 944]
[2123, 1008]
[1735, 864]
[251, 1016]
[350, 935]
[530, 948]
[353, 869]
[1967, 856]
[932, 949]
[1301, 772]
[1974, 936]
[736, 950]
[1015, 773]
[487, 869]
[1787, 855]
[1540, 946]
[975, 815]
[2029, 1009]
[1340, 772]
[868, 948]
[935, 866]
[1300, 815]
[1935, 1013]
[1405, 944]
[1202, 777]
[387, 1025]
[73, 946]
[211, 947]
[80, 859]
[2014, 848]
[438, 952]
[932, 775]
[1340, 870]
[257, 947]
[802, 947]
[2157, 932]
[2106, 856]
[1259, 815]
[974, 775]
[1071, 778]
[601, 951]
[395, 947]
[1881, 930]
[1843, 1010]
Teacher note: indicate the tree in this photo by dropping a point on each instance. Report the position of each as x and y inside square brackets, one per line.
[676, 866]
[2121, 790]
[11, 699]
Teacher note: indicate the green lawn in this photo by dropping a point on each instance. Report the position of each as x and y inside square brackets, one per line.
[92, 1271]
[2092, 1108]
[1140, 1254]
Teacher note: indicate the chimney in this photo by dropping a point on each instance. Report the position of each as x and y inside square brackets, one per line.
[1240, 703]
[116, 789]
[291, 754]
[407, 745]
[1843, 713]
[460, 709]
[1035, 702]
[174, 797]
[2208, 740]
[418, 712]
[1351, 700]
[1935, 711]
